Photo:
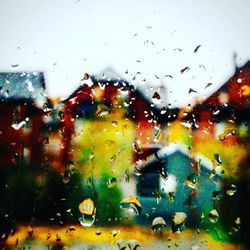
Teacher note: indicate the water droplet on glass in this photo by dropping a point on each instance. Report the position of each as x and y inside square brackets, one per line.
[122, 245]
[237, 221]
[131, 206]
[228, 132]
[217, 158]
[231, 190]
[98, 231]
[178, 222]
[197, 48]
[157, 134]
[114, 232]
[17, 126]
[137, 145]
[14, 65]
[58, 238]
[114, 123]
[163, 111]
[213, 216]
[171, 196]
[133, 245]
[88, 212]
[156, 98]
[185, 69]
[102, 110]
[111, 182]
[158, 224]
[72, 228]
[217, 195]
[192, 180]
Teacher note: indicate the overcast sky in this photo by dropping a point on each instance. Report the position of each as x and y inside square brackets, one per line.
[65, 38]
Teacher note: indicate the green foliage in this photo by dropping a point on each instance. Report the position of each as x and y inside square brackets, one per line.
[85, 155]
[74, 192]
[49, 205]
[59, 200]
[54, 200]
[18, 190]
[108, 210]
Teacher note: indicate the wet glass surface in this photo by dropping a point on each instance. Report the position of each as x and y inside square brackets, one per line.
[111, 169]
[121, 161]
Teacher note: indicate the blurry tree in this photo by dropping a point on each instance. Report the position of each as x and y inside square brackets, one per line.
[18, 190]
[108, 210]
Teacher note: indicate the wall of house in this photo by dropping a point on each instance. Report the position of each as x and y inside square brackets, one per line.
[21, 137]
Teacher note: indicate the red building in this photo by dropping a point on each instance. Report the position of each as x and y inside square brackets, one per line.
[98, 95]
[230, 103]
[21, 115]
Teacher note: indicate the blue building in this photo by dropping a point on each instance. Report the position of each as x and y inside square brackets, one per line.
[164, 187]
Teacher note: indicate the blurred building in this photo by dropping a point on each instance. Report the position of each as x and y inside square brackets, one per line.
[174, 180]
[220, 124]
[22, 99]
[230, 103]
[109, 99]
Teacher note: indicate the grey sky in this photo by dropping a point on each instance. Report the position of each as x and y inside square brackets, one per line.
[65, 38]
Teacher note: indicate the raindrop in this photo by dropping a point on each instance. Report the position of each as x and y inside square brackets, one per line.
[158, 223]
[192, 180]
[14, 65]
[178, 222]
[58, 238]
[122, 245]
[163, 111]
[228, 132]
[111, 182]
[217, 158]
[191, 91]
[17, 126]
[197, 48]
[85, 76]
[157, 133]
[170, 76]
[178, 49]
[61, 115]
[72, 228]
[137, 145]
[231, 190]
[217, 195]
[216, 112]
[213, 216]
[208, 85]
[98, 231]
[171, 196]
[88, 212]
[114, 123]
[114, 232]
[48, 236]
[185, 69]
[237, 221]
[156, 96]
[186, 124]
[102, 110]
[131, 206]
[133, 245]
[202, 66]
